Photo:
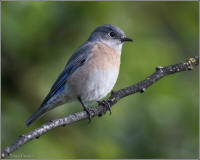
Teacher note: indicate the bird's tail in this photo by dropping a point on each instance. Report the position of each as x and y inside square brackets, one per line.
[36, 115]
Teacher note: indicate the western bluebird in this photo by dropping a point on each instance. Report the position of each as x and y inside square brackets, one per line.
[90, 73]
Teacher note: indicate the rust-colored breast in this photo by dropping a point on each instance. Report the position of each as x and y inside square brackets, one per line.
[104, 57]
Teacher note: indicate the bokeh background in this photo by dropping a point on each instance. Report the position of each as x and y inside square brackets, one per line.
[39, 37]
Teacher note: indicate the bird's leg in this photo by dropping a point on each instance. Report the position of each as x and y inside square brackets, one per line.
[85, 109]
[106, 104]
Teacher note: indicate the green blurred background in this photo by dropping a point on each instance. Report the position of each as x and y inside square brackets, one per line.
[39, 37]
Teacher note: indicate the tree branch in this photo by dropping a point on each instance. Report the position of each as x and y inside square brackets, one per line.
[101, 109]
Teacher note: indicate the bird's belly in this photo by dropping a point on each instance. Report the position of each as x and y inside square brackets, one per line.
[98, 85]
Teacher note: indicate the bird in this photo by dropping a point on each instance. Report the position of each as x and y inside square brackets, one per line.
[90, 74]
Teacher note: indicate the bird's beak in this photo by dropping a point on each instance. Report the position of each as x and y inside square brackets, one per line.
[125, 39]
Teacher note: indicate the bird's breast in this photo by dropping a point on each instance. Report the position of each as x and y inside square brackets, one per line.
[104, 57]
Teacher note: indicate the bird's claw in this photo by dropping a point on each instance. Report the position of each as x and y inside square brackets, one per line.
[88, 113]
[106, 104]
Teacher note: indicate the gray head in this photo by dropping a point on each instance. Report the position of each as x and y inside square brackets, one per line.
[111, 35]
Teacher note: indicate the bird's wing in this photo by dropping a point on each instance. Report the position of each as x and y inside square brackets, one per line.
[77, 60]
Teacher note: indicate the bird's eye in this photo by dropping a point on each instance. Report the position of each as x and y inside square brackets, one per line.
[112, 34]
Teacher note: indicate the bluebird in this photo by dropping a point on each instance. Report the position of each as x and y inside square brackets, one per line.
[90, 73]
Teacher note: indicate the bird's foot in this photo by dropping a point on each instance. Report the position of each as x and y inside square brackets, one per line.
[88, 110]
[106, 104]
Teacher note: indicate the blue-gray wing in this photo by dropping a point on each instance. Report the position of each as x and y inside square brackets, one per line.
[77, 60]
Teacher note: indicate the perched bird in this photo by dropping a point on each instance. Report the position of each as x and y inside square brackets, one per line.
[90, 73]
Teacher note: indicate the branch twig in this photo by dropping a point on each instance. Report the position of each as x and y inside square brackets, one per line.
[101, 109]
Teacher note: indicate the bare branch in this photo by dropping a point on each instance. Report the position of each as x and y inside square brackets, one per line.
[101, 109]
